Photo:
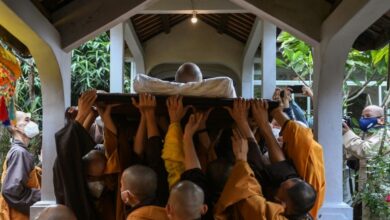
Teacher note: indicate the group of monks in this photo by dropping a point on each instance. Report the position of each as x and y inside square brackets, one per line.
[179, 172]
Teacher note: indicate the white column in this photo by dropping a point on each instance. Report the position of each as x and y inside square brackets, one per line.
[67, 78]
[251, 46]
[135, 47]
[116, 58]
[268, 60]
[339, 31]
[328, 81]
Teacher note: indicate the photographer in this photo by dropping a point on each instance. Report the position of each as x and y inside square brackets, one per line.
[366, 146]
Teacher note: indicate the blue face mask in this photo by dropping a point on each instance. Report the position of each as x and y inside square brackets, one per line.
[367, 123]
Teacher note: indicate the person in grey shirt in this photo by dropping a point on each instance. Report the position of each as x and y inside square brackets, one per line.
[20, 183]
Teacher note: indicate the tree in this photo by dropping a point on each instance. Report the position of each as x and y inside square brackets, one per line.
[91, 66]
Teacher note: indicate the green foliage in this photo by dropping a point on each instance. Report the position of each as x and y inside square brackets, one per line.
[91, 66]
[377, 187]
[296, 55]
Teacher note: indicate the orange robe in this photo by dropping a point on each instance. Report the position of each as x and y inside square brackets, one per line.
[307, 157]
[148, 213]
[242, 198]
[34, 181]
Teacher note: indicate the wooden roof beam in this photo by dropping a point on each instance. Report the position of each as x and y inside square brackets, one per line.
[82, 20]
[223, 23]
[302, 18]
[165, 23]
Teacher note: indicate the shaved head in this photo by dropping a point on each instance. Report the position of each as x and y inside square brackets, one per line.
[186, 201]
[56, 212]
[140, 181]
[373, 111]
[188, 72]
[95, 163]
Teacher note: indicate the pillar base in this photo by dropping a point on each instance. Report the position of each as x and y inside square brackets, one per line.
[38, 207]
[339, 211]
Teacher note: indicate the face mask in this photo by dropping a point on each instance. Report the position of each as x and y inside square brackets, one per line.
[367, 123]
[96, 188]
[99, 122]
[276, 132]
[31, 129]
[125, 198]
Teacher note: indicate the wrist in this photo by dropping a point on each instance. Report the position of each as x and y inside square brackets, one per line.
[241, 160]
[201, 131]
[81, 118]
[187, 137]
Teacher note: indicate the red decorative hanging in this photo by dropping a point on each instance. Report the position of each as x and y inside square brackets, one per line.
[3, 110]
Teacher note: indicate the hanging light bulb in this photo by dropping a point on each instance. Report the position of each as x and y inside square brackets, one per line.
[194, 19]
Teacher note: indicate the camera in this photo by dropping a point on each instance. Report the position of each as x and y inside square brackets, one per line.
[293, 89]
[347, 120]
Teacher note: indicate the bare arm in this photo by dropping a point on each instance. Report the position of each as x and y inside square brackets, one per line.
[105, 114]
[140, 136]
[191, 159]
[260, 114]
[85, 102]
[239, 113]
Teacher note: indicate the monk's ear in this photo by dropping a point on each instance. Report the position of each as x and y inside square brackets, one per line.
[203, 209]
[168, 210]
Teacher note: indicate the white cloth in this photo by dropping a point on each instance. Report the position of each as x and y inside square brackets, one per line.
[218, 87]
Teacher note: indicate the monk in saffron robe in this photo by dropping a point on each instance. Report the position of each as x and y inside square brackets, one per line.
[296, 196]
[299, 147]
[187, 198]
[242, 197]
[138, 190]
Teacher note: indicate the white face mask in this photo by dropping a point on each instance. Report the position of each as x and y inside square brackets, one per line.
[275, 132]
[31, 129]
[99, 122]
[96, 188]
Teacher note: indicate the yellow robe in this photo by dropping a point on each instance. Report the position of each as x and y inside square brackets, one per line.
[148, 213]
[34, 181]
[242, 198]
[173, 154]
[307, 157]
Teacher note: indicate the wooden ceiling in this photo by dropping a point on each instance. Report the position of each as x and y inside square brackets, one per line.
[375, 37]
[237, 26]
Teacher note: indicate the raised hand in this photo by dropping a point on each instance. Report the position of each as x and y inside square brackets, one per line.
[240, 110]
[146, 103]
[176, 110]
[204, 119]
[287, 97]
[260, 113]
[307, 91]
[193, 124]
[85, 102]
[240, 145]
[276, 95]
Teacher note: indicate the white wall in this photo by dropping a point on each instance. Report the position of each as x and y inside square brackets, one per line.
[199, 43]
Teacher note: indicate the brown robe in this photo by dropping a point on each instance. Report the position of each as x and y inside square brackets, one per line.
[34, 181]
[242, 198]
